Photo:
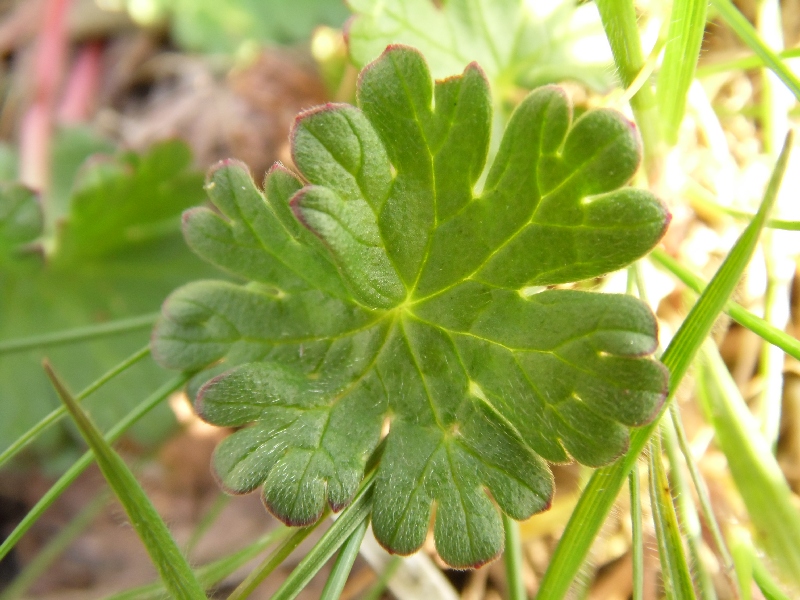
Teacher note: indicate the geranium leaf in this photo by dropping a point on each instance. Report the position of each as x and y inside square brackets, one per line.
[433, 332]
[517, 42]
[117, 252]
[21, 218]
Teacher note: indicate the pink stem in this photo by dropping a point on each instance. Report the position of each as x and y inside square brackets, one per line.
[83, 83]
[37, 123]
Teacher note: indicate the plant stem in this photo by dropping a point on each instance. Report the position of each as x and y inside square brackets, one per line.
[674, 569]
[619, 21]
[37, 122]
[686, 509]
[701, 489]
[79, 334]
[637, 541]
[513, 559]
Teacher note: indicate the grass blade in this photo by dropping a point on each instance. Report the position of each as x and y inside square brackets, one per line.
[700, 197]
[744, 63]
[156, 537]
[600, 493]
[513, 559]
[212, 573]
[637, 539]
[686, 510]
[56, 415]
[79, 334]
[748, 34]
[84, 461]
[675, 573]
[344, 563]
[274, 560]
[349, 520]
[686, 28]
[700, 488]
[741, 315]
[758, 477]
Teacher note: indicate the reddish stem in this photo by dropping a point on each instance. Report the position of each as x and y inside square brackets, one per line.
[83, 83]
[37, 123]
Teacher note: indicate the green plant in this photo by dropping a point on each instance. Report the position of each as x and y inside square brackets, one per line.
[103, 243]
[250, 366]
[517, 43]
[411, 299]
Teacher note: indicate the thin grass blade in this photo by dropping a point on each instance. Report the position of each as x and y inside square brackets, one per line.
[56, 415]
[741, 315]
[156, 537]
[687, 24]
[212, 573]
[675, 574]
[758, 477]
[274, 560]
[349, 520]
[748, 34]
[84, 461]
[685, 508]
[600, 493]
[79, 334]
[344, 563]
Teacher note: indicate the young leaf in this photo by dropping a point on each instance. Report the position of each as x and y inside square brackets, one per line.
[423, 317]
[518, 43]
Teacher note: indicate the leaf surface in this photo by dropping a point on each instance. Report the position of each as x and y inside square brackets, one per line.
[21, 219]
[424, 323]
[520, 43]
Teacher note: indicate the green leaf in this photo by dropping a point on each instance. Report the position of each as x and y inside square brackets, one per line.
[149, 192]
[21, 219]
[518, 43]
[210, 26]
[603, 487]
[424, 320]
[117, 253]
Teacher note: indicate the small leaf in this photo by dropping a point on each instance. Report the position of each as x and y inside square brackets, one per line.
[518, 43]
[430, 329]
